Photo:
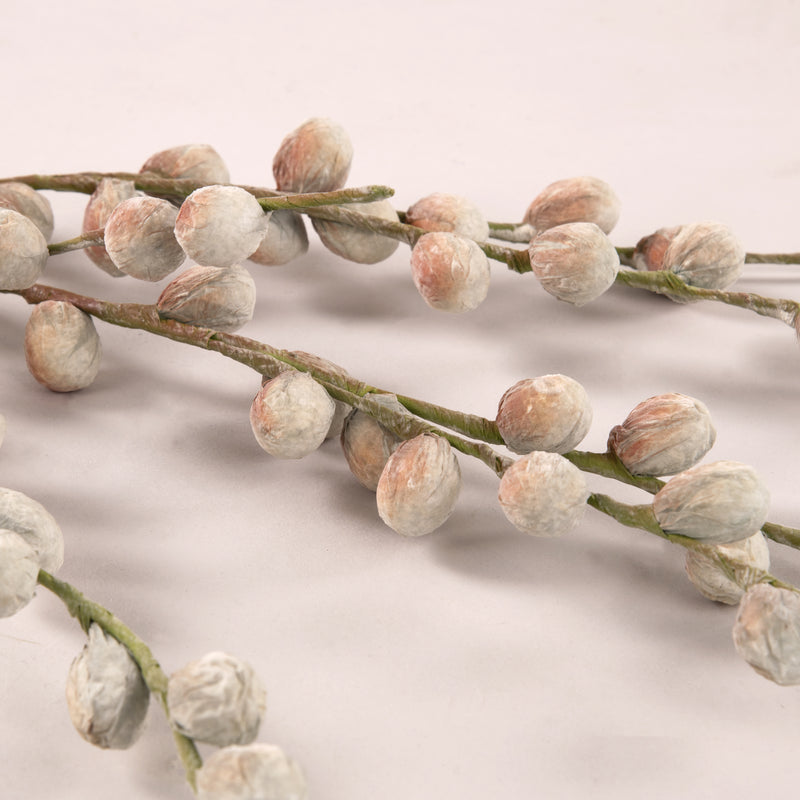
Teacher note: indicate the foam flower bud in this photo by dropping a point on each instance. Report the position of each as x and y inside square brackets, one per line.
[19, 569]
[449, 212]
[663, 435]
[62, 347]
[220, 226]
[450, 272]
[706, 255]
[419, 485]
[222, 298]
[315, 157]
[23, 251]
[367, 446]
[196, 162]
[583, 199]
[107, 697]
[23, 515]
[252, 772]
[766, 633]
[748, 559]
[340, 409]
[110, 192]
[291, 415]
[363, 247]
[550, 413]
[285, 239]
[575, 262]
[217, 699]
[31, 204]
[650, 250]
[718, 503]
[140, 238]
[543, 494]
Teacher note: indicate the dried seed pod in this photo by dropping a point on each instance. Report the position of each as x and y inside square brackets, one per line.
[550, 413]
[285, 239]
[717, 503]
[340, 409]
[766, 633]
[31, 204]
[291, 415]
[748, 558]
[22, 515]
[222, 298]
[62, 348]
[217, 699]
[650, 250]
[140, 238]
[23, 251]
[19, 568]
[109, 193]
[220, 226]
[706, 255]
[107, 697]
[575, 262]
[449, 212]
[543, 494]
[419, 485]
[450, 272]
[197, 162]
[315, 157]
[367, 446]
[663, 435]
[252, 772]
[583, 199]
[363, 247]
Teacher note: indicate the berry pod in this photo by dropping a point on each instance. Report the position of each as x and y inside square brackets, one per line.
[251, 772]
[217, 699]
[747, 560]
[717, 503]
[363, 247]
[367, 446]
[62, 347]
[650, 250]
[19, 569]
[340, 409]
[663, 435]
[581, 199]
[291, 415]
[450, 272]
[23, 251]
[140, 238]
[550, 413]
[196, 162]
[766, 633]
[31, 204]
[222, 298]
[706, 255]
[449, 212]
[575, 262]
[315, 157]
[220, 226]
[110, 192]
[419, 486]
[543, 494]
[22, 515]
[285, 239]
[107, 697]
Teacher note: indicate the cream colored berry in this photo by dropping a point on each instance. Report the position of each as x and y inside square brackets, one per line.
[363, 247]
[367, 446]
[650, 250]
[19, 569]
[706, 255]
[30, 203]
[449, 212]
[196, 162]
[341, 409]
[582, 199]
[23, 251]
[285, 239]
[110, 192]
[23, 515]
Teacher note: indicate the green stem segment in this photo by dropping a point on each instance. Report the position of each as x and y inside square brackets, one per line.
[87, 611]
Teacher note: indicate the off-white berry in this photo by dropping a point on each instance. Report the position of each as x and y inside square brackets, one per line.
[419, 486]
[550, 413]
[62, 347]
[19, 568]
[23, 515]
[250, 772]
[30, 203]
[23, 251]
[543, 494]
[706, 255]
[219, 226]
[341, 409]
[197, 162]
[650, 250]
[663, 435]
[449, 212]
[110, 192]
[363, 247]
[217, 699]
[575, 262]
[285, 239]
[315, 157]
[291, 415]
[450, 272]
[367, 446]
[582, 199]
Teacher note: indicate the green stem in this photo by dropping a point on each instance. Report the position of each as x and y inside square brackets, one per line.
[88, 239]
[87, 611]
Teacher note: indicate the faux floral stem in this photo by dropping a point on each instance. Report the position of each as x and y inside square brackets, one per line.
[88, 239]
[87, 611]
